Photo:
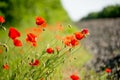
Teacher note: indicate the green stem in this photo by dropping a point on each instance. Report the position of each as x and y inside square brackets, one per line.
[7, 41]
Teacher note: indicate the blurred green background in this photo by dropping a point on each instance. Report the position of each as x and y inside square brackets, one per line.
[23, 13]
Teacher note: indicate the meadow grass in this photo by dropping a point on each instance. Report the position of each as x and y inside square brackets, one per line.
[71, 64]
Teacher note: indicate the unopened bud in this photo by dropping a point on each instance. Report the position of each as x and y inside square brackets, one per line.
[3, 28]
[6, 47]
[69, 26]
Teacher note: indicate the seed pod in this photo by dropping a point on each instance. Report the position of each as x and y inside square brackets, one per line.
[69, 26]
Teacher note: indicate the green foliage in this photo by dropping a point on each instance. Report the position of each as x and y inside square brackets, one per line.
[19, 62]
[107, 12]
[22, 11]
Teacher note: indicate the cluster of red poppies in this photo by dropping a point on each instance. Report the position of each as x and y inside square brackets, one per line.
[31, 38]
[73, 40]
[14, 34]
[35, 62]
[70, 41]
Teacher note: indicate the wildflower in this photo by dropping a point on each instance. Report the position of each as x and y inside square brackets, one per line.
[74, 42]
[49, 50]
[2, 20]
[58, 48]
[107, 70]
[34, 30]
[34, 44]
[79, 35]
[17, 43]
[85, 31]
[67, 40]
[74, 77]
[6, 66]
[70, 41]
[59, 27]
[37, 31]
[13, 33]
[31, 37]
[40, 21]
[35, 63]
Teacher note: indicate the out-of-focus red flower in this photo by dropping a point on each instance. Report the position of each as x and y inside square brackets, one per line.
[6, 66]
[17, 43]
[67, 40]
[74, 77]
[74, 42]
[70, 41]
[59, 27]
[49, 50]
[85, 31]
[13, 33]
[34, 44]
[2, 20]
[35, 63]
[31, 37]
[79, 35]
[34, 30]
[58, 48]
[40, 21]
[108, 70]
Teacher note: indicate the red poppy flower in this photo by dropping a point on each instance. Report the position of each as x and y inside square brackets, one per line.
[31, 37]
[67, 40]
[49, 50]
[2, 20]
[40, 21]
[17, 43]
[74, 77]
[58, 48]
[59, 27]
[35, 63]
[70, 41]
[6, 66]
[34, 44]
[79, 35]
[74, 42]
[13, 33]
[108, 70]
[85, 31]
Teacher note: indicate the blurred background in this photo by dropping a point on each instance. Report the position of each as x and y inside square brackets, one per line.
[58, 10]
[101, 17]
[24, 13]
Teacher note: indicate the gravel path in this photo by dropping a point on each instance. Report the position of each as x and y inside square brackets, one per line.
[104, 43]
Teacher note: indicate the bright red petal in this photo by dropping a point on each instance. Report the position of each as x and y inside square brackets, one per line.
[13, 33]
